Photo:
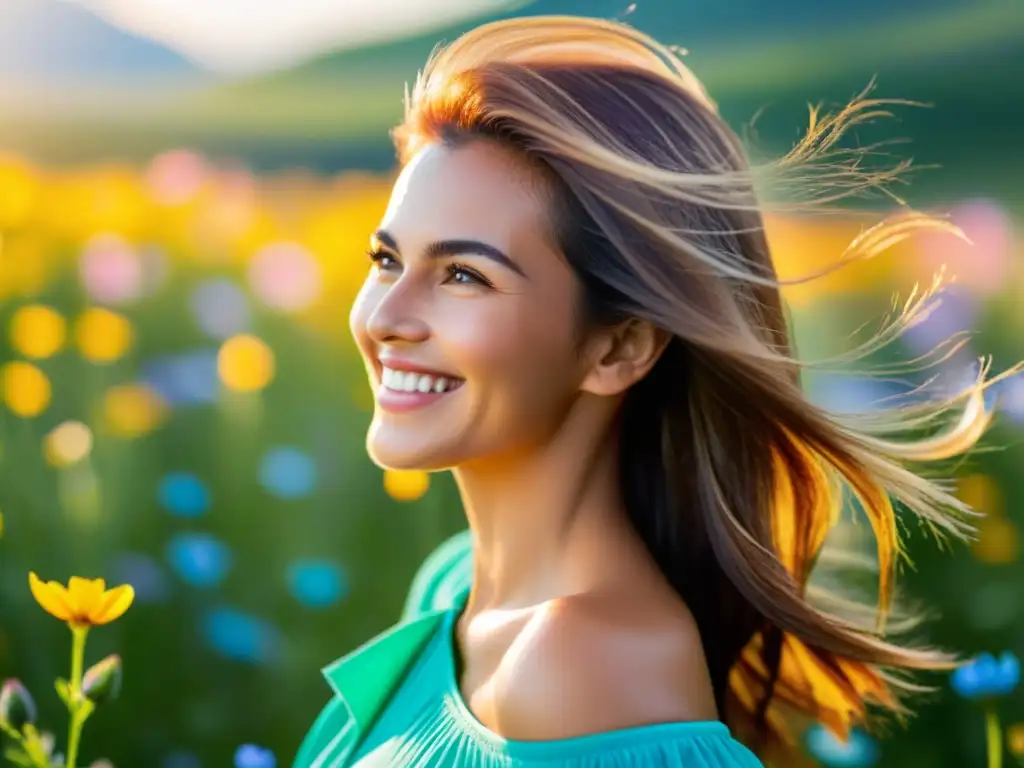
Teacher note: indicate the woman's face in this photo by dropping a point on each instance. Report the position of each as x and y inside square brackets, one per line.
[466, 321]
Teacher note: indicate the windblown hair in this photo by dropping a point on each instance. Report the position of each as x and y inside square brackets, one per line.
[730, 474]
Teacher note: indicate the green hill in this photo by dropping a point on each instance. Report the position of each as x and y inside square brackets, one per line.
[333, 111]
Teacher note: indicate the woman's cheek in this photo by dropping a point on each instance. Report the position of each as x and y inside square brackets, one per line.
[481, 342]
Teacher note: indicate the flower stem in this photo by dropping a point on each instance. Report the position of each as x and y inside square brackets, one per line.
[75, 689]
[74, 735]
[994, 737]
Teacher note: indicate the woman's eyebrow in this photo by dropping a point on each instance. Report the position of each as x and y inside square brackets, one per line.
[442, 248]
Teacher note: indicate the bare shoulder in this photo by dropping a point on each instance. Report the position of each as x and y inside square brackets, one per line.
[590, 664]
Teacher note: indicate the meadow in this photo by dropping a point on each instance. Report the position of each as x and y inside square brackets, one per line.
[183, 411]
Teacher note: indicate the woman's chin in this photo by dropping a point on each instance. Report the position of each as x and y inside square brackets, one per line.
[405, 452]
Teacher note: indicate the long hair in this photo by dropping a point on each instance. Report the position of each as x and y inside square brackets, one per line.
[730, 474]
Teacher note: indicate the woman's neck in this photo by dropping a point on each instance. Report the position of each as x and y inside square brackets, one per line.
[549, 523]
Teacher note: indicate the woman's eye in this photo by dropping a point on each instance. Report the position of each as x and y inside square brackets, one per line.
[457, 273]
[382, 261]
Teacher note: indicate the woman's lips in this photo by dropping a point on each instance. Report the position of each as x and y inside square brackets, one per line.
[401, 391]
[403, 402]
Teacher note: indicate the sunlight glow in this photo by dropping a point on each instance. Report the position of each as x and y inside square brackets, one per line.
[254, 35]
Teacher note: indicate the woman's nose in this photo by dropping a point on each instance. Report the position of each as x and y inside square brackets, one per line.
[397, 317]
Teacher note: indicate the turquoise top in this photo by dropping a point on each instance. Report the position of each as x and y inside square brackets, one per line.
[397, 703]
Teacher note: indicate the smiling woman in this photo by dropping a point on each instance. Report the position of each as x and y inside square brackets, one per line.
[572, 306]
[502, 323]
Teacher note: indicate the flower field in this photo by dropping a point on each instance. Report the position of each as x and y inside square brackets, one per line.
[181, 411]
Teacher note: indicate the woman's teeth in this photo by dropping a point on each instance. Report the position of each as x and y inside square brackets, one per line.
[407, 381]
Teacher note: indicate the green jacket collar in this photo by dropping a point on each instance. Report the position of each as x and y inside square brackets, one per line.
[366, 678]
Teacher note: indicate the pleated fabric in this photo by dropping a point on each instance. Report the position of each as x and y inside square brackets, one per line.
[426, 724]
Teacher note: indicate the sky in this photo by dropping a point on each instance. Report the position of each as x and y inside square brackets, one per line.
[238, 36]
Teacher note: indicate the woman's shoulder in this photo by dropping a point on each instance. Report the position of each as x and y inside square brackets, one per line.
[445, 575]
[597, 663]
[611, 682]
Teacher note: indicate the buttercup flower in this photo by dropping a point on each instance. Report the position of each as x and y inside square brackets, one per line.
[985, 676]
[84, 602]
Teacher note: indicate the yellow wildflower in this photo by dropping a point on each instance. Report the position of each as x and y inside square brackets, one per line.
[406, 484]
[1015, 739]
[84, 602]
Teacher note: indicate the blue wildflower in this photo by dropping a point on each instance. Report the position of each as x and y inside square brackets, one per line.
[185, 379]
[240, 636]
[199, 559]
[252, 756]
[288, 473]
[185, 495]
[317, 583]
[145, 575]
[985, 676]
[221, 308]
[859, 751]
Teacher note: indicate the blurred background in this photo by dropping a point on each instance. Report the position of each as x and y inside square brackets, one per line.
[186, 191]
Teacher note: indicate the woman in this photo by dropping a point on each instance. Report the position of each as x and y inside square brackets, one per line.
[572, 306]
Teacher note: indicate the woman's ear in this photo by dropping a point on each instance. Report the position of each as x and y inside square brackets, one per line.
[623, 355]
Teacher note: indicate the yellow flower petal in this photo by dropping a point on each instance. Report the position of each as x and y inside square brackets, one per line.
[113, 605]
[84, 602]
[86, 594]
[52, 596]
